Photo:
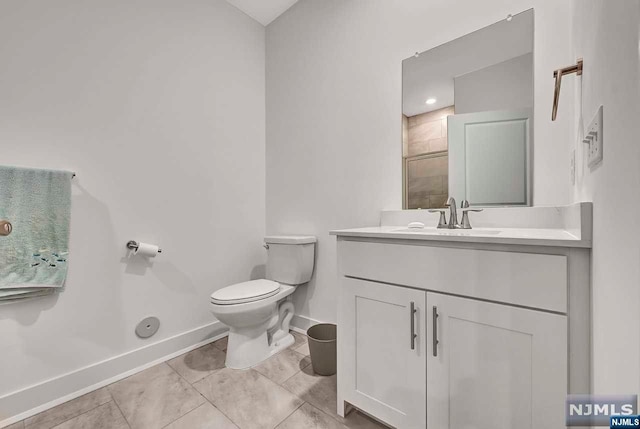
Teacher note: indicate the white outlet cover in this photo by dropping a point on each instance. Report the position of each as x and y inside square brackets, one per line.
[573, 167]
[593, 138]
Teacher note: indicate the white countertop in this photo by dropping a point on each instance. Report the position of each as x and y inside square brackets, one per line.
[520, 236]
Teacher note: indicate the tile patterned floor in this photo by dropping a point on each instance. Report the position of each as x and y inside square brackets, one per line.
[196, 391]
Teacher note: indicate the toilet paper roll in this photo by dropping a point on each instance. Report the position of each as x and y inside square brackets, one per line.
[146, 249]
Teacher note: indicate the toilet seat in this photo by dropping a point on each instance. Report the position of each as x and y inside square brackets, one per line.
[240, 293]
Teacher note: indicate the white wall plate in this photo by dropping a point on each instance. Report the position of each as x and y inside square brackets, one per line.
[594, 139]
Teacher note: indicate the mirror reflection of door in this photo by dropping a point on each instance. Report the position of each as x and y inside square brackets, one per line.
[467, 118]
[498, 139]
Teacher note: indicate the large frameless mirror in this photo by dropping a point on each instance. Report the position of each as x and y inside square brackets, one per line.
[467, 118]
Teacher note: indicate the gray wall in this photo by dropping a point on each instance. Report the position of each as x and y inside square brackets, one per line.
[607, 36]
[506, 85]
[158, 106]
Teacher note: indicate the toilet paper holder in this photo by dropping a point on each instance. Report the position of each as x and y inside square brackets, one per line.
[133, 245]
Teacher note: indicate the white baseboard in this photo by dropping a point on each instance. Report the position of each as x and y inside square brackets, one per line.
[19, 405]
[300, 323]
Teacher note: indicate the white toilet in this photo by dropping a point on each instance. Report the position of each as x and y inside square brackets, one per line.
[257, 312]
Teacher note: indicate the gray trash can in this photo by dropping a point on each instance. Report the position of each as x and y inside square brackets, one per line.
[322, 347]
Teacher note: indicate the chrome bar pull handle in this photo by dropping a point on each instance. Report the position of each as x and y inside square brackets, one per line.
[412, 315]
[5, 227]
[435, 331]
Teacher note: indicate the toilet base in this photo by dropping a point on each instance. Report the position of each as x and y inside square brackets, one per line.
[258, 329]
[250, 345]
[244, 352]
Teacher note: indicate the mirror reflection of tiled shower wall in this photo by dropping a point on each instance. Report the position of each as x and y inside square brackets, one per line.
[425, 157]
[427, 181]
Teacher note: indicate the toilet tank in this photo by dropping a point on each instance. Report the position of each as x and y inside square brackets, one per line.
[290, 258]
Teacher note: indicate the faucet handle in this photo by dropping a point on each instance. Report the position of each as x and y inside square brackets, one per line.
[442, 222]
[465, 224]
[465, 207]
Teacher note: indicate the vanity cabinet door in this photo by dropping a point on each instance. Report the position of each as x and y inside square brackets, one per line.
[382, 371]
[494, 366]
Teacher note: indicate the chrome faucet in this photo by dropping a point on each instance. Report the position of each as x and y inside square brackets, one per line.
[464, 223]
[453, 215]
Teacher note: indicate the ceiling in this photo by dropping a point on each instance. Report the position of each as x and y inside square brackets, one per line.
[431, 74]
[263, 11]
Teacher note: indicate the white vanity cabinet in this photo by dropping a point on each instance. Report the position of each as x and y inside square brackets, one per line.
[382, 368]
[494, 366]
[446, 335]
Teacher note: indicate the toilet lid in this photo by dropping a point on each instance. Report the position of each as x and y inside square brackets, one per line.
[239, 293]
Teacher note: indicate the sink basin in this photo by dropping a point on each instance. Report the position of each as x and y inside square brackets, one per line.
[457, 232]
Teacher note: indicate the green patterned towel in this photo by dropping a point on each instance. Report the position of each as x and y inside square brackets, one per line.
[34, 257]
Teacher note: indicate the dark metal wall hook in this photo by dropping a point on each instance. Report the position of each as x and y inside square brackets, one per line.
[577, 69]
[5, 228]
